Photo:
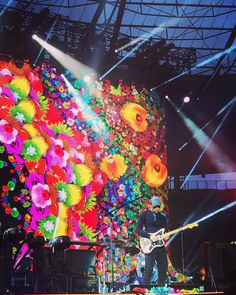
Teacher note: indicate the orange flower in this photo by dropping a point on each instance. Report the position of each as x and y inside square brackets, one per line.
[154, 172]
[134, 115]
[114, 166]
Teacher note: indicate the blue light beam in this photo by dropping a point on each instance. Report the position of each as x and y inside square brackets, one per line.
[201, 64]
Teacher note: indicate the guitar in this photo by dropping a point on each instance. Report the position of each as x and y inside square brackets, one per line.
[147, 245]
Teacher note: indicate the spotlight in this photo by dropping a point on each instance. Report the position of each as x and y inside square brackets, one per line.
[87, 78]
[166, 97]
[186, 99]
[34, 36]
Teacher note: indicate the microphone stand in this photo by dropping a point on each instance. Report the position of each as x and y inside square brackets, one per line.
[110, 229]
[111, 214]
[182, 251]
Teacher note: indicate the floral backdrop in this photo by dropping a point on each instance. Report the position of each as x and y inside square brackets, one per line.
[81, 155]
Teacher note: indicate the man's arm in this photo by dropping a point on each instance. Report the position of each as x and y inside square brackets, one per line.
[141, 225]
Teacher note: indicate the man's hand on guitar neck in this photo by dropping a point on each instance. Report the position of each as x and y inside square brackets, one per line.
[154, 237]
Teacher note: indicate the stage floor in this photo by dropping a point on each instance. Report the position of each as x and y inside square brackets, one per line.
[203, 293]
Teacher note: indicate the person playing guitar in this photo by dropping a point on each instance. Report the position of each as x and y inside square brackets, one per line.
[149, 222]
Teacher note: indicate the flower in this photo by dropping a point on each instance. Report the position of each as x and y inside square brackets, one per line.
[154, 171]
[47, 226]
[134, 115]
[82, 174]
[114, 166]
[7, 132]
[58, 156]
[40, 195]
[31, 150]
[14, 147]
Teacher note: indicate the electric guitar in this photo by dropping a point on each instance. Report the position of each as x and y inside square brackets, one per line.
[147, 245]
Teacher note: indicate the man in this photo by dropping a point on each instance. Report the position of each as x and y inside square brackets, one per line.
[149, 222]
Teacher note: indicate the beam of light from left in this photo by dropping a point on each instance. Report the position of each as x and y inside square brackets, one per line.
[142, 40]
[46, 40]
[98, 125]
[201, 64]
[224, 208]
[6, 7]
[78, 69]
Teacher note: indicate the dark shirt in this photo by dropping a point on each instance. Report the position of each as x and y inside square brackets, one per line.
[150, 222]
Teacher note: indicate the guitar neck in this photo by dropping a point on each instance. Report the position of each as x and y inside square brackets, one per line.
[165, 235]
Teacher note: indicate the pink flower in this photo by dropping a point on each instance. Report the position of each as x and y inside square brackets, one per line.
[58, 156]
[40, 195]
[7, 132]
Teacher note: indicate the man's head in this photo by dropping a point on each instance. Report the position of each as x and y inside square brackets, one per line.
[155, 203]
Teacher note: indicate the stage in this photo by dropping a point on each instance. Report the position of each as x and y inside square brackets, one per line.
[203, 293]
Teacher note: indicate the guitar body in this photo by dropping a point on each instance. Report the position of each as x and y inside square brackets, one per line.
[147, 245]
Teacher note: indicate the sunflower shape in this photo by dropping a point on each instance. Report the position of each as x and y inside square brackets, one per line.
[114, 166]
[134, 115]
[20, 85]
[154, 172]
[69, 194]
[24, 112]
[82, 173]
[47, 226]
[34, 148]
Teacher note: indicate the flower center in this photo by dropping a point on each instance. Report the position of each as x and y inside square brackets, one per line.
[59, 151]
[138, 118]
[8, 128]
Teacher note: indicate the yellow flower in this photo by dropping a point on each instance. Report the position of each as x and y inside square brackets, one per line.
[21, 84]
[31, 130]
[75, 194]
[28, 107]
[154, 172]
[134, 115]
[83, 174]
[114, 166]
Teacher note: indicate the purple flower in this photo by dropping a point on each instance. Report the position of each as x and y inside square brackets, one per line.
[15, 147]
[34, 179]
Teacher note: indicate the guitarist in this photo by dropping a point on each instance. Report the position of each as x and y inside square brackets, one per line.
[148, 223]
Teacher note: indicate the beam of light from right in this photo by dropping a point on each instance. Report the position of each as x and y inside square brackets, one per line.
[201, 64]
[222, 161]
[232, 101]
[78, 69]
[224, 208]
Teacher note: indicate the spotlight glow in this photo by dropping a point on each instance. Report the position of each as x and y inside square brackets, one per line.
[186, 99]
[75, 67]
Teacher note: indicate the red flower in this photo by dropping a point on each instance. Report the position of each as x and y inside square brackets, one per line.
[59, 151]
[8, 128]
[46, 195]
